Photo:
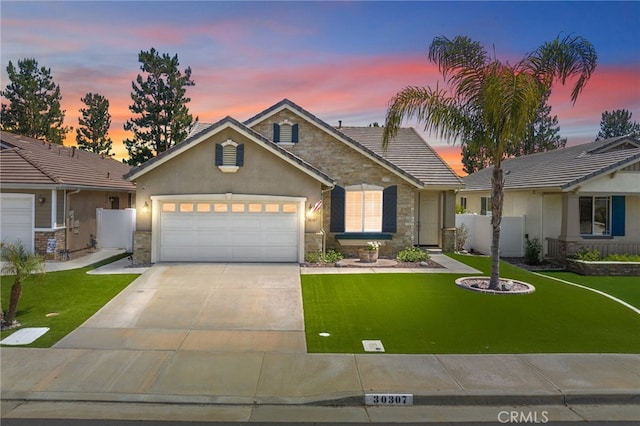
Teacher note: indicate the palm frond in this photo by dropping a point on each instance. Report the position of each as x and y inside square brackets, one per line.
[562, 59]
[439, 112]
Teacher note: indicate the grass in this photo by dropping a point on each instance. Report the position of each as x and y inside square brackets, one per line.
[428, 313]
[74, 295]
[624, 288]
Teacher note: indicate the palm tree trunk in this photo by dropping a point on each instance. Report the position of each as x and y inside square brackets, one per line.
[16, 292]
[497, 188]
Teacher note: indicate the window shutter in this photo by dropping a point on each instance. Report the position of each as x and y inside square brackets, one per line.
[294, 133]
[617, 215]
[276, 132]
[240, 155]
[337, 209]
[218, 154]
[390, 209]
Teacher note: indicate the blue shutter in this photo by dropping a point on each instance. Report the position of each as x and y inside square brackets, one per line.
[294, 133]
[337, 209]
[218, 154]
[618, 216]
[390, 209]
[276, 132]
[240, 155]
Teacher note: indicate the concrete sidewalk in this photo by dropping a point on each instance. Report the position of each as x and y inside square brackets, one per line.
[438, 383]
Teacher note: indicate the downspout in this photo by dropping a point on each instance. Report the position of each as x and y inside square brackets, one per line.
[66, 215]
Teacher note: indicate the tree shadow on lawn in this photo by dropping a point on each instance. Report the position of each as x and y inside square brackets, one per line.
[428, 313]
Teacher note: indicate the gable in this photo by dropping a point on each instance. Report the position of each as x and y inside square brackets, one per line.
[221, 130]
[194, 171]
[312, 130]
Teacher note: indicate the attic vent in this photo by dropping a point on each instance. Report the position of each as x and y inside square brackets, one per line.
[108, 175]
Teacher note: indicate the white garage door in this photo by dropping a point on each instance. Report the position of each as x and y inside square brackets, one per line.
[17, 219]
[228, 231]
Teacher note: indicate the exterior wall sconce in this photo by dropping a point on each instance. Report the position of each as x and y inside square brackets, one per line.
[145, 208]
[41, 199]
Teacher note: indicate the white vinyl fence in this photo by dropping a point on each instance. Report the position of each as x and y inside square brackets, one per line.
[479, 230]
[115, 228]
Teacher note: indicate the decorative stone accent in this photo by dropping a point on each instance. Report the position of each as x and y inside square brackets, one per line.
[600, 268]
[42, 238]
[141, 248]
[313, 242]
[449, 240]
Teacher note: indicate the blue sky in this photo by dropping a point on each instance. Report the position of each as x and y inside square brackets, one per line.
[339, 60]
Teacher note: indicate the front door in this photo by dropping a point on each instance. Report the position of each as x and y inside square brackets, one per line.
[429, 219]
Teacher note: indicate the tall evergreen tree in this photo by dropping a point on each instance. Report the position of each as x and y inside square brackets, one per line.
[92, 135]
[159, 100]
[617, 123]
[34, 103]
[542, 135]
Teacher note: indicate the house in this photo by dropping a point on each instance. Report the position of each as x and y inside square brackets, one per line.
[284, 183]
[50, 193]
[582, 196]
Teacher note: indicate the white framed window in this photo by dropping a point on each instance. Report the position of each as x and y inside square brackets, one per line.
[485, 206]
[595, 215]
[363, 208]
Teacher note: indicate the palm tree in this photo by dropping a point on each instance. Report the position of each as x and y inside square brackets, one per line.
[18, 261]
[490, 102]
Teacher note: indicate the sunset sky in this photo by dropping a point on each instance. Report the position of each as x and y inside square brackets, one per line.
[339, 60]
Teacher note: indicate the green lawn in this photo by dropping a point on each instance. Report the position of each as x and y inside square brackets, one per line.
[624, 288]
[73, 294]
[428, 313]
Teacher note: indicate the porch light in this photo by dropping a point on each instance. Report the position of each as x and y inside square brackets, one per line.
[41, 199]
[145, 208]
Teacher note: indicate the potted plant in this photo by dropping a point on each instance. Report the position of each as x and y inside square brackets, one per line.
[369, 254]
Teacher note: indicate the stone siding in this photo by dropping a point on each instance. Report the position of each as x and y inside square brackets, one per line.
[603, 268]
[142, 248]
[312, 242]
[348, 167]
[42, 238]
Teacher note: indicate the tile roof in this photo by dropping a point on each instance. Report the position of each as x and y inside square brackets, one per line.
[201, 129]
[408, 151]
[374, 153]
[26, 161]
[562, 168]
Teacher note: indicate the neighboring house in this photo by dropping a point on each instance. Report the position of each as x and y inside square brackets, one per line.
[50, 193]
[582, 196]
[284, 183]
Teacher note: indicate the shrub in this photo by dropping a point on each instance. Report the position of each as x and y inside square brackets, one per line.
[412, 254]
[331, 256]
[460, 209]
[462, 233]
[587, 255]
[532, 252]
[614, 257]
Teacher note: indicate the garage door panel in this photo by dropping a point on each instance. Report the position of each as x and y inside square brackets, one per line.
[17, 219]
[239, 232]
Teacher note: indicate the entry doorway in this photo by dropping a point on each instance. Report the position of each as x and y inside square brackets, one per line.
[429, 219]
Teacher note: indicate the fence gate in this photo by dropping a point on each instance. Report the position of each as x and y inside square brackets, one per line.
[115, 228]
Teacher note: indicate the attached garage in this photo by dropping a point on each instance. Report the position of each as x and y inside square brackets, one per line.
[225, 228]
[18, 221]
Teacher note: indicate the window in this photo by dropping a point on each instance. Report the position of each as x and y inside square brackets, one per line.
[168, 207]
[485, 206]
[463, 203]
[363, 209]
[229, 156]
[595, 215]
[285, 132]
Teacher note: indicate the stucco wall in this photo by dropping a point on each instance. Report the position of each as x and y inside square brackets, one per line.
[194, 172]
[348, 167]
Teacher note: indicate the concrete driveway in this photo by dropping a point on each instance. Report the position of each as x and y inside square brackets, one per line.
[196, 306]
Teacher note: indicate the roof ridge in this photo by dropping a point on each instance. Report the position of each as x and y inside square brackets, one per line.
[26, 155]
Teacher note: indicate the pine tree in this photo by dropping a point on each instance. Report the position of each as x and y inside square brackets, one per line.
[34, 103]
[159, 100]
[543, 134]
[92, 135]
[617, 123]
